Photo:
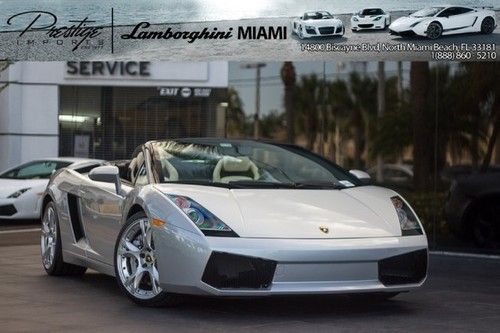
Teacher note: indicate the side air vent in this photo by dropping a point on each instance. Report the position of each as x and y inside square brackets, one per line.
[408, 268]
[74, 214]
[8, 210]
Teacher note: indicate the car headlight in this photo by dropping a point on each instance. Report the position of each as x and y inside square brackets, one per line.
[355, 19]
[17, 194]
[207, 222]
[378, 18]
[407, 220]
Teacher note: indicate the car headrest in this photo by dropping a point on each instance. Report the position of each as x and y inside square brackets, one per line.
[233, 164]
[230, 167]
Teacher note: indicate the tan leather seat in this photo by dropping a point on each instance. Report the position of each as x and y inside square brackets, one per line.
[169, 172]
[230, 169]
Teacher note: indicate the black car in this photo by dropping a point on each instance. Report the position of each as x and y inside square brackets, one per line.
[473, 208]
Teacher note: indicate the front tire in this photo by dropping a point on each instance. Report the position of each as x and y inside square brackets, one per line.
[136, 266]
[51, 246]
[434, 30]
[487, 26]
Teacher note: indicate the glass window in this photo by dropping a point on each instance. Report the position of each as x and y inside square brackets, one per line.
[142, 176]
[35, 170]
[110, 122]
[372, 11]
[246, 163]
[452, 11]
[428, 12]
[86, 169]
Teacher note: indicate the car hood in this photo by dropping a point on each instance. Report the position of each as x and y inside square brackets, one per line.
[323, 23]
[405, 23]
[9, 186]
[299, 213]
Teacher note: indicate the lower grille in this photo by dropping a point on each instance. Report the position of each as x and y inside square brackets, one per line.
[338, 30]
[365, 26]
[8, 210]
[230, 271]
[407, 33]
[311, 31]
[408, 268]
[326, 30]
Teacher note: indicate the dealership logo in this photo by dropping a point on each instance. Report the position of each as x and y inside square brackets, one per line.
[78, 34]
[145, 31]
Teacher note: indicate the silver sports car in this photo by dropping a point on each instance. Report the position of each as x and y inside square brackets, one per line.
[231, 218]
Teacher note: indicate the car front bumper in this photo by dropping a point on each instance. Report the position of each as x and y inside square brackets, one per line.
[330, 31]
[367, 25]
[263, 267]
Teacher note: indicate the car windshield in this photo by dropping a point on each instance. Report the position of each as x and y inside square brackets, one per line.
[427, 12]
[246, 164]
[35, 170]
[318, 16]
[372, 11]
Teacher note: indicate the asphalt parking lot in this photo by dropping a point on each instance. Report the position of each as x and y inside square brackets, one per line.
[461, 295]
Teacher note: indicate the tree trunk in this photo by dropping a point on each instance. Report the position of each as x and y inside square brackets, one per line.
[380, 114]
[357, 121]
[288, 77]
[492, 141]
[422, 129]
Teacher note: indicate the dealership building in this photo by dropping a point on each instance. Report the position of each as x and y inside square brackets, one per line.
[106, 109]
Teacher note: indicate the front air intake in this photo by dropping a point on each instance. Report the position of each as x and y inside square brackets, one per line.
[8, 210]
[408, 268]
[230, 271]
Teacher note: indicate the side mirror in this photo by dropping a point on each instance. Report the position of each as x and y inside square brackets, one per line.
[107, 174]
[361, 175]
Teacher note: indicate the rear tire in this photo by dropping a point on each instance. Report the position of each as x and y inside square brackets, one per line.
[135, 249]
[51, 246]
[487, 26]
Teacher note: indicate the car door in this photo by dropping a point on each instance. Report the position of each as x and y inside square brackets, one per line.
[102, 210]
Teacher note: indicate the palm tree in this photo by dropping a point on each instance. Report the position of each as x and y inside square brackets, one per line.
[307, 100]
[423, 142]
[236, 122]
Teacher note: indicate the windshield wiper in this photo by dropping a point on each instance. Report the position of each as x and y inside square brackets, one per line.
[258, 184]
[318, 185]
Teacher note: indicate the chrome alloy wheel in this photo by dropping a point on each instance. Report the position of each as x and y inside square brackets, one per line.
[434, 30]
[136, 261]
[49, 237]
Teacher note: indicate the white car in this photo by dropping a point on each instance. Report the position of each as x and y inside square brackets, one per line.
[434, 22]
[21, 187]
[394, 173]
[370, 18]
[241, 218]
[317, 24]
